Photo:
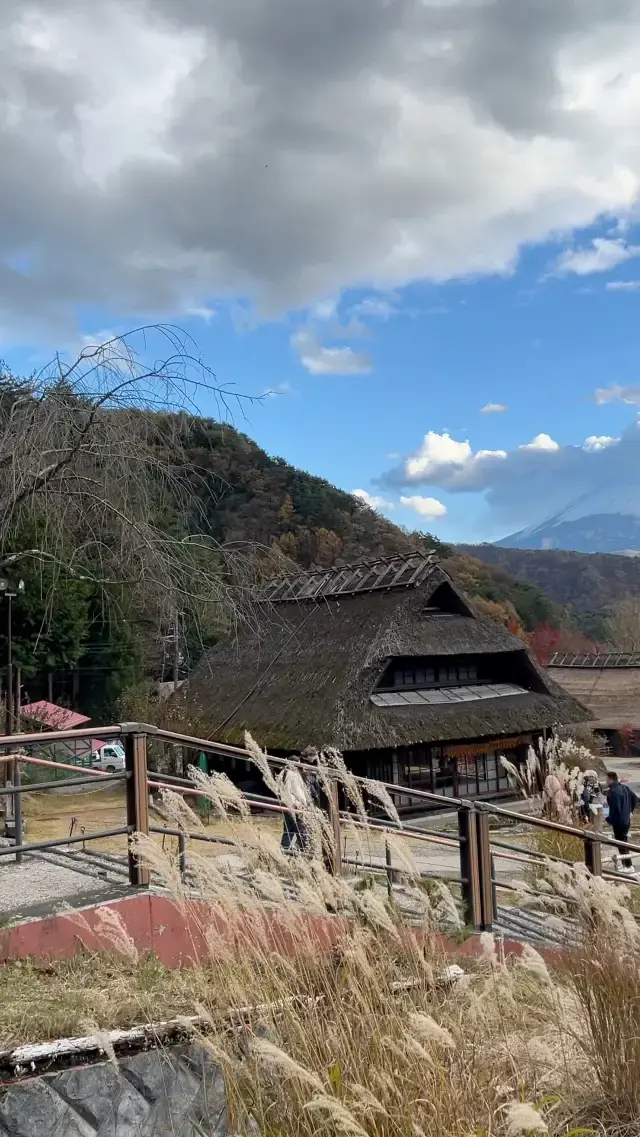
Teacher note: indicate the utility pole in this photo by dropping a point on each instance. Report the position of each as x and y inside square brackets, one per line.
[13, 811]
[8, 725]
[17, 706]
[4, 589]
[176, 651]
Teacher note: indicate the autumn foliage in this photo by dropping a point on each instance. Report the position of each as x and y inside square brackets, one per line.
[545, 640]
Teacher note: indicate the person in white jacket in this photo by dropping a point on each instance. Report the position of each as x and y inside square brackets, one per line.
[297, 801]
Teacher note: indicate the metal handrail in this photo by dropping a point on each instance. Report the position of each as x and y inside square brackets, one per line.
[40, 787]
[44, 737]
[27, 760]
[33, 846]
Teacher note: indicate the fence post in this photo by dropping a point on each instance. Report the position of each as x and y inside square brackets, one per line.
[593, 855]
[182, 856]
[17, 809]
[135, 746]
[387, 853]
[334, 817]
[485, 870]
[469, 872]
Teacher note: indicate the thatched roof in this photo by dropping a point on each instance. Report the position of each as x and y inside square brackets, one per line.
[305, 677]
[608, 686]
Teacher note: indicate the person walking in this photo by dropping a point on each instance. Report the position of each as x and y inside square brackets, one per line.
[621, 801]
[590, 798]
[296, 799]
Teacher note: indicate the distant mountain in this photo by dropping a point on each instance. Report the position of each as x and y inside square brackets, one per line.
[595, 533]
[600, 521]
[589, 585]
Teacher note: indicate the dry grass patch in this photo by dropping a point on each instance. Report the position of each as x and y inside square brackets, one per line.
[42, 1000]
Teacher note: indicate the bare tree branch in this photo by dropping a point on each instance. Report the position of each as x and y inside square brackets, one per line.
[93, 461]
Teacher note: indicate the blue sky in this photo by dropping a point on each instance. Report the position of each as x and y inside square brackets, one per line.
[530, 341]
[345, 207]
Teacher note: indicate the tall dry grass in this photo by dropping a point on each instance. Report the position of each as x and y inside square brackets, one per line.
[369, 1035]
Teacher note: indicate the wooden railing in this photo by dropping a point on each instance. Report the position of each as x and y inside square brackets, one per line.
[477, 846]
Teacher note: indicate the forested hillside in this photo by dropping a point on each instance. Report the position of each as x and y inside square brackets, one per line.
[591, 584]
[247, 496]
[93, 642]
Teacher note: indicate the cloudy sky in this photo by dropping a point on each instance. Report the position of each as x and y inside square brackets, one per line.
[414, 223]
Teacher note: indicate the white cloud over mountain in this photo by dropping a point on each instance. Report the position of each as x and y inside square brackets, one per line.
[441, 460]
[158, 154]
[531, 481]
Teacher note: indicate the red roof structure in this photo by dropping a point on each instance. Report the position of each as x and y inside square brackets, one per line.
[53, 716]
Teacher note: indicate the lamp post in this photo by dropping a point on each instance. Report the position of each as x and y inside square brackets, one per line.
[5, 591]
[15, 829]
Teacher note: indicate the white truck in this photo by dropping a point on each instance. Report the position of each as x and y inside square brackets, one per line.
[109, 758]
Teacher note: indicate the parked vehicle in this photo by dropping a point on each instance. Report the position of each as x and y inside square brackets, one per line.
[109, 758]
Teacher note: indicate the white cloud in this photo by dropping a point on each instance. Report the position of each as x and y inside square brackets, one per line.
[442, 458]
[540, 442]
[436, 451]
[91, 340]
[325, 309]
[617, 394]
[199, 150]
[321, 360]
[493, 409]
[622, 285]
[201, 313]
[604, 254]
[374, 308]
[372, 501]
[428, 507]
[599, 442]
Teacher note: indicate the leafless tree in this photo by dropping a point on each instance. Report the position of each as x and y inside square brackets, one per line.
[92, 462]
[624, 625]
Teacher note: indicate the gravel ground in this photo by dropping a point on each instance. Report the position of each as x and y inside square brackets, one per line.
[36, 882]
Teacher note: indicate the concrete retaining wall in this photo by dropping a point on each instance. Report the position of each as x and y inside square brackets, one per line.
[173, 1092]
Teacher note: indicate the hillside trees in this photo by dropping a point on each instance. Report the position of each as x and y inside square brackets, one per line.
[529, 602]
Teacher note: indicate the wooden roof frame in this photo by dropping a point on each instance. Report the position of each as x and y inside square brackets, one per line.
[380, 575]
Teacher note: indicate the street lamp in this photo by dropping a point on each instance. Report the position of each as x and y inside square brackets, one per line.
[5, 590]
[13, 825]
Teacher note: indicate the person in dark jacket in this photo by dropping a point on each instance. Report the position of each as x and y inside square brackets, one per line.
[621, 801]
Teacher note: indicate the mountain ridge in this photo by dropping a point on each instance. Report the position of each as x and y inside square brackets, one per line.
[590, 584]
[614, 533]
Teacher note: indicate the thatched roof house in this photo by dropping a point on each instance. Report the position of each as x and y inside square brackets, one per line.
[607, 684]
[388, 663]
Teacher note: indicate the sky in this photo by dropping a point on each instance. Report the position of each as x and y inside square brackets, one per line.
[409, 228]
